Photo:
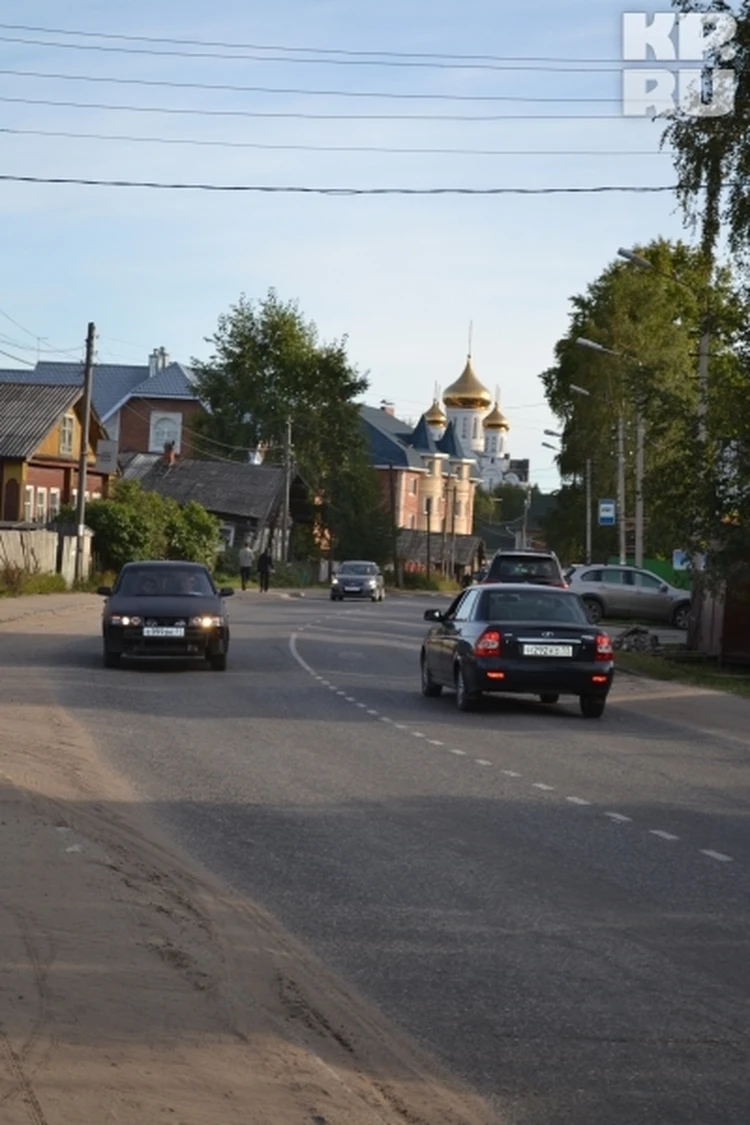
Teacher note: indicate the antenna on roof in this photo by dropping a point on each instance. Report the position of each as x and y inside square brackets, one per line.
[471, 332]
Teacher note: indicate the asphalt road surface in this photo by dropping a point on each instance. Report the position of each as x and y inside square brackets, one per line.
[558, 908]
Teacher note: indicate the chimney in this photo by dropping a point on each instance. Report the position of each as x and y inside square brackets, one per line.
[170, 456]
[387, 408]
[153, 363]
[163, 359]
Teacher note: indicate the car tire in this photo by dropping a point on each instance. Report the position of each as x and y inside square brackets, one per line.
[465, 700]
[110, 659]
[429, 687]
[594, 610]
[219, 662]
[550, 699]
[681, 617]
[592, 707]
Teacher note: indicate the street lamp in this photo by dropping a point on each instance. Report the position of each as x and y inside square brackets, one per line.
[547, 445]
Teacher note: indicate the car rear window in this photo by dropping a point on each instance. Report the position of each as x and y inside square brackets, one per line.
[520, 569]
[164, 582]
[531, 605]
[360, 569]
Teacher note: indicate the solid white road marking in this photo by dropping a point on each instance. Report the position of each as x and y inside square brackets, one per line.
[662, 835]
[717, 855]
[577, 801]
[619, 817]
[538, 785]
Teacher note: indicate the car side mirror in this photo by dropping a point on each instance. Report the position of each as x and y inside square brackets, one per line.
[433, 615]
[104, 591]
[664, 588]
[226, 592]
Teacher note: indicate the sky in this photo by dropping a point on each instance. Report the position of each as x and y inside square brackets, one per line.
[401, 275]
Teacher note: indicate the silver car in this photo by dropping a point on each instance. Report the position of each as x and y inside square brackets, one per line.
[358, 580]
[629, 592]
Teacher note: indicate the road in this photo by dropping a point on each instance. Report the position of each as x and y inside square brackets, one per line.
[557, 909]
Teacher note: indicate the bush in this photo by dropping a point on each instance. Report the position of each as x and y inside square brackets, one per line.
[15, 582]
[418, 580]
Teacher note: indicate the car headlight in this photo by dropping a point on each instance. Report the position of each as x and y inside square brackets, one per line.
[119, 619]
[335, 582]
[207, 622]
[372, 582]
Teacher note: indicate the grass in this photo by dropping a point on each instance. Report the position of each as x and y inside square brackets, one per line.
[685, 668]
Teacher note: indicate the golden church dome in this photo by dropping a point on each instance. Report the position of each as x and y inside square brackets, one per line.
[435, 416]
[496, 420]
[467, 393]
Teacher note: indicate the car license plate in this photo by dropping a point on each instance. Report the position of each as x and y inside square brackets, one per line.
[163, 631]
[352, 589]
[548, 650]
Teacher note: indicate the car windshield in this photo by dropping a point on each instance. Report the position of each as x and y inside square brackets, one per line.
[164, 582]
[524, 569]
[360, 569]
[534, 605]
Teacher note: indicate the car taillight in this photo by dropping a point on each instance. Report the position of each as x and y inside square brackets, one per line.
[489, 644]
[603, 647]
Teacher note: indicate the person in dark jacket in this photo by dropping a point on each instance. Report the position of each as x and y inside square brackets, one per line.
[265, 566]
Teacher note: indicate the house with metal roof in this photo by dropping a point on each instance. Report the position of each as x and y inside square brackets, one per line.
[142, 407]
[41, 430]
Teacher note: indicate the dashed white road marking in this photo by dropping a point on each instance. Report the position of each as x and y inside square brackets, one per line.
[340, 693]
[435, 742]
[662, 835]
[717, 855]
[577, 801]
[385, 719]
[417, 734]
[539, 785]
[619, 817]
[482, 762]
[350, 699]
[372, 712]
[363, 706]
[400, 726]
[458, 753]
[511, 773]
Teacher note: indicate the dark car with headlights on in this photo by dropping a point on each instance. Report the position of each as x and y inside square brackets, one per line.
[521, 639]
[357, 579]
[167, 609]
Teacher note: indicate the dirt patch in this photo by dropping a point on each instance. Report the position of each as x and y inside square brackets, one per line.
[135, 988]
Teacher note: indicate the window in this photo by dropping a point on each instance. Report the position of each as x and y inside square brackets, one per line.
[28, 504]
[615, 577]
[165, 581]
[67, 429]
[536, 605]
[226, 531]
[465, 428]
[466, 608]
[648, 581]
[96, 496]
[40, 515]
[165, 429]
[413, 486]
[592, 576]
[54, 503]
[459, 507]
[475, 431]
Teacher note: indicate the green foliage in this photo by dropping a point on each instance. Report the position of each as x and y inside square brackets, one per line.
[657, 323]
[355, 512]
[418, 580]
[502, 505]
[15, 582]
[133, 524]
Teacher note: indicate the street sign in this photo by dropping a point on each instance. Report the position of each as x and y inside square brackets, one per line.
[607, 516]
[106, 457]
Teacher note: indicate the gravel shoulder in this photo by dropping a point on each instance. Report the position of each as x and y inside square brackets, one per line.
[134, 986]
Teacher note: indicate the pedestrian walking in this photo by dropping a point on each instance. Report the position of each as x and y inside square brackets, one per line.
[246, 565]
[265, 566]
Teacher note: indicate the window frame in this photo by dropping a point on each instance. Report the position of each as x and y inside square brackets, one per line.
[67, 435]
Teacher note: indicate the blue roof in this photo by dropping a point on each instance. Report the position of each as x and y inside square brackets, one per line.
[421, 438]
[113, 382]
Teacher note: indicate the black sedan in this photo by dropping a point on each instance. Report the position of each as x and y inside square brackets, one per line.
[518, 639]
[168, 609]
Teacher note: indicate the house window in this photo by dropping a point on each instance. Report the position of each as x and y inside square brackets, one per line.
[28, 504]
[41, 505]
[67, 429]
[165, 429]
[459, 507]
[226, 531]
[476, 427]
[413, 486]
[465, 429]
[96, 496]
[54, 503]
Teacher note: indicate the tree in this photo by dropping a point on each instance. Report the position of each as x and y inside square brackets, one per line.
[269, 368]
[503, 504]
[656, 323]
[712, 154]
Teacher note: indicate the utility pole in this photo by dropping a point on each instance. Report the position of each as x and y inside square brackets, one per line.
[640, 439]
[88, 379]
[428, 503]
[621, 487]
[287, 490]
[453, 532]
[394, 523]
[445, 527]
[694, 637]
[588, 511]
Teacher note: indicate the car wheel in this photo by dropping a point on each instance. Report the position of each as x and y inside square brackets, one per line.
[429, 687]
[110, 659]
[681, 619]
[549, 699]
[594, 609]
[218, 663]
[465, 700]
[592, 707]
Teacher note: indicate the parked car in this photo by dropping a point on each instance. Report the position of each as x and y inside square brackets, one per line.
[520, 639]
[357, 579]
[540, 567]
[629, 592]
[165, 609]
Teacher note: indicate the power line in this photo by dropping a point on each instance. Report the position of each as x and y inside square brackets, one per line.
[300, 190]
[409, 62]
[17, 359]
[375, 149]
[344, 52]
[299, 91]
[183, 111]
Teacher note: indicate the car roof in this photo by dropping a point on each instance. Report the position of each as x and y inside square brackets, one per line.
[521, 551]
[159, 564]
[358, 562]
[526, 588]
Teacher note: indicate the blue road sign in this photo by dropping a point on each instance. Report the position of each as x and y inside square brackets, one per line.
[607, 513]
